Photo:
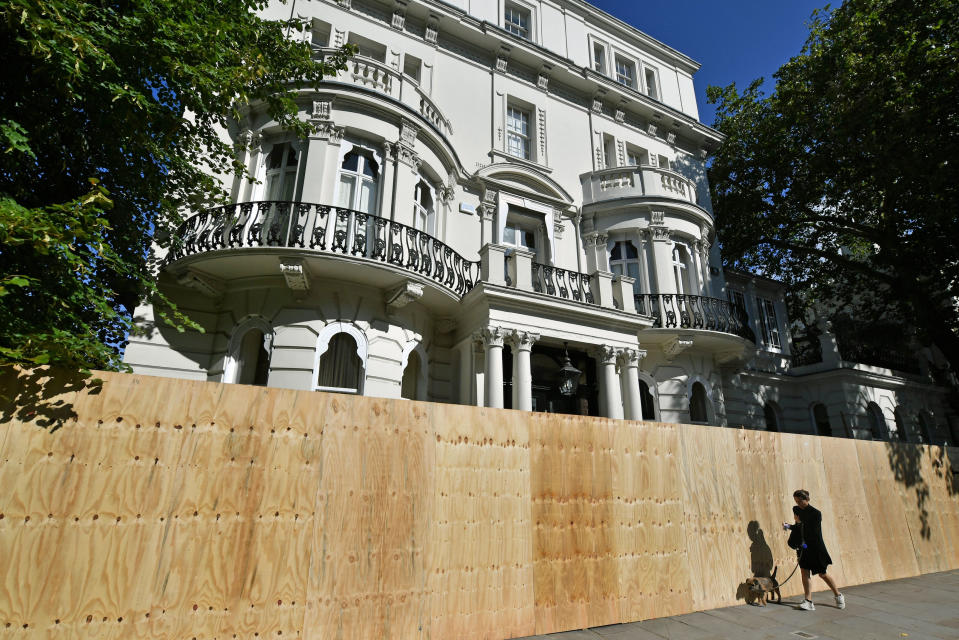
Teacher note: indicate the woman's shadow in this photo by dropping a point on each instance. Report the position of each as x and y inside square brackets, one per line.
[760, 559]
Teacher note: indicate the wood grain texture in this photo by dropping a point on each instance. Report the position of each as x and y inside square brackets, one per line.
[162, 508]
[887, 517]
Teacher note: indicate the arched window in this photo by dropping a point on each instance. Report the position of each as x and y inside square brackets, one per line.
[341, 368]
[411, 378]
[698, 403]
[359, 177]
[281, 171]
[624, 261]
[771, 416]
[681, 269]
[877, 422]
[900, 425]
[253, 365]
[820, 419]
[248, 353]
[924, 433]
[423, 212]
[646, 401]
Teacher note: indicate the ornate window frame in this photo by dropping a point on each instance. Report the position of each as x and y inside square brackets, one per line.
[323, 344]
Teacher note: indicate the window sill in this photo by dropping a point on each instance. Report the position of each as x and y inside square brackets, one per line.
[494, 153]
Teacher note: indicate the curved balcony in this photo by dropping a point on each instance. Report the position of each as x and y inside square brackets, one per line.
[680, 311]
[380, 77]
[644, 181]
[322, 229]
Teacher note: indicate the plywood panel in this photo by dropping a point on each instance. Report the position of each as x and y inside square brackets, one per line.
[715, 521]
[886, 512]
[377, 468]
[767, 501]
[481, 569]
[576, 580]
[858, 549]
[649, 535]
[170, 508]
[804, 468]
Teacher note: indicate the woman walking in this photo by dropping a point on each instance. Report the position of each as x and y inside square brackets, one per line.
[814, 558]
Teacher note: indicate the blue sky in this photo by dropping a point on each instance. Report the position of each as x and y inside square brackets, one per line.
[734, 40]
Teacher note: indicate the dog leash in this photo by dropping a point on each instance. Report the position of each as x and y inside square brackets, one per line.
[798, 557]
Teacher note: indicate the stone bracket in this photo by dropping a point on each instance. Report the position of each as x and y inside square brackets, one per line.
[404, 294]
[677, 345]
[205, 284]
[295, 273]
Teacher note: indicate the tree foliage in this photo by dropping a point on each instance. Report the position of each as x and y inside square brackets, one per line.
[844, 181]
[111, 126]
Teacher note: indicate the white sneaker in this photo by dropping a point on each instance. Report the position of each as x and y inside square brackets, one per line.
[840, 601]
[807, 605]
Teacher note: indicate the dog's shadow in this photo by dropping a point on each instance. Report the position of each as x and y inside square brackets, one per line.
[760, 561]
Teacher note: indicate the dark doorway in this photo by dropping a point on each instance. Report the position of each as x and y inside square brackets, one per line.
[545, 362]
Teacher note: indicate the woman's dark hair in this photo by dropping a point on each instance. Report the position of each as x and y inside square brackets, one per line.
[802, 494]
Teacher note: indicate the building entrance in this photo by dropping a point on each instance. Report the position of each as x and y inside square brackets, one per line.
[545, 363]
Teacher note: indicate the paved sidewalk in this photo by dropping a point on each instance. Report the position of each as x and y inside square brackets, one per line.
[920, 608]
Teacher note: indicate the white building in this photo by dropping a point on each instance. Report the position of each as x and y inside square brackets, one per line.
[494, 182]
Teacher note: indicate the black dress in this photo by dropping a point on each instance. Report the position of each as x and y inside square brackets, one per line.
[814, 557]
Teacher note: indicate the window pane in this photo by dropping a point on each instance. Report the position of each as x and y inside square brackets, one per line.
[651, 90]
[509, 235]
[289, 180]
[631, 251]
[347, 186]
[529, 240]
[370, 167]
[517, 22]
[367, 196]
[350, 161]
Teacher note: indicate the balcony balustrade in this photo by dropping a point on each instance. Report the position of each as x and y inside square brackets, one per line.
[380, 77]
[323, 229]
[683, 311]
[637, 182]
[568, 285]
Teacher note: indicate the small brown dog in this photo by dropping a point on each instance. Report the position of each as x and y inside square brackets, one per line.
[760, 588]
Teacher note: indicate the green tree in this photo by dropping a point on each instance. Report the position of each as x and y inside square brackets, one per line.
[844, 182]
[111, 126]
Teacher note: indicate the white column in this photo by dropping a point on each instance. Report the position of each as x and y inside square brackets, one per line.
[521, 343]
[629, 370]
[492, 338]
[610, 397]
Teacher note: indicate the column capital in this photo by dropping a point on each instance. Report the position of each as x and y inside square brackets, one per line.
[521, 340]
[605, 354]
[630, 357]
[491, 336]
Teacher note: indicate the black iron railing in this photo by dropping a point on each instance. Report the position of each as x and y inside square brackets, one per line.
[569, 285]
[324, 229]
[693, 312]
[806, 350]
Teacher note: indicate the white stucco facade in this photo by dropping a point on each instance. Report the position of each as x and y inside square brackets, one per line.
[493, 182]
